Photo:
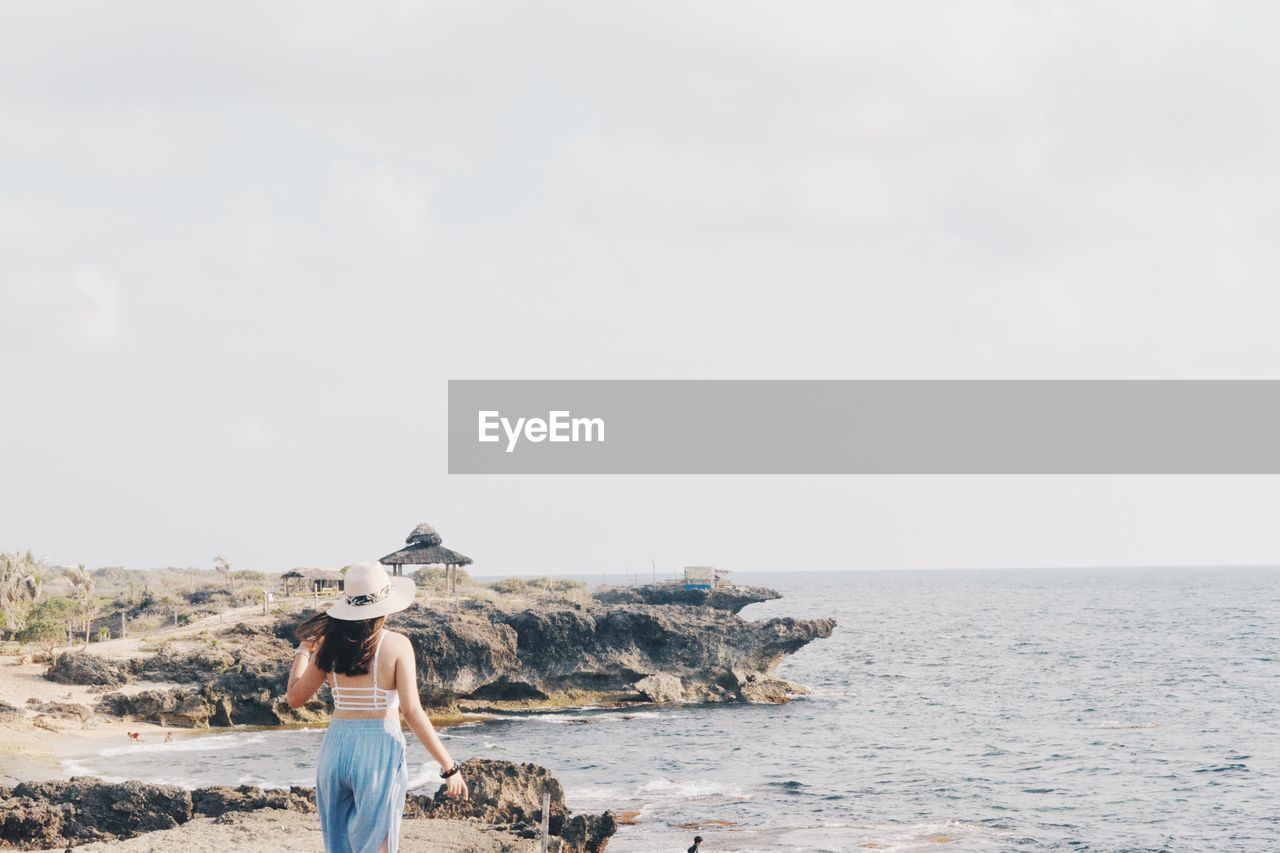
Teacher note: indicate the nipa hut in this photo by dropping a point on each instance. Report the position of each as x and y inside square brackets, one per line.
[308, 581]
[423, 548]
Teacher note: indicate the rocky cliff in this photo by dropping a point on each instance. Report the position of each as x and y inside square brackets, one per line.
[504, 795]
[475, 655]
[239, 681]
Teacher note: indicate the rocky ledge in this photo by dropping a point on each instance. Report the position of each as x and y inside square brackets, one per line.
[726, 597]
[239, 678]
[35, 816]
[477, 656]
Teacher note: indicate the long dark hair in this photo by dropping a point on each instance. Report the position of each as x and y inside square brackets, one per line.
[344, 646]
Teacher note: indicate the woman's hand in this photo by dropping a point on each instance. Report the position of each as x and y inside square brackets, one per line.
[308, 646]
[455, 786]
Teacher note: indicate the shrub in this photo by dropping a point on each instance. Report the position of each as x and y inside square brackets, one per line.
[432, 577]
[510, 586]
[43, 633]
[515, 586]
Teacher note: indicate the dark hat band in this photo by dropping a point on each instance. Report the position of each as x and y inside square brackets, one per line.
[369, 598]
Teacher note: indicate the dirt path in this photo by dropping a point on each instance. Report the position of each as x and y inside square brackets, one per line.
[133, 646]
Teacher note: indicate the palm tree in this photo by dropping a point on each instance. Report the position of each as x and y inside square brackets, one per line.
[37, 575]
[22, 578]
[221, 565]
[10, 585]
[86, 604]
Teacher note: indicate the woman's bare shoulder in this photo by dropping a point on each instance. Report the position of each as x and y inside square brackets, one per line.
[398, 640]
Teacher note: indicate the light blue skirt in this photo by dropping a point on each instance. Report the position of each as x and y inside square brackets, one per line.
[361, 783]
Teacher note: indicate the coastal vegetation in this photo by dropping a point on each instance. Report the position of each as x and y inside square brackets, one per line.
[51, 606]
[22, 579]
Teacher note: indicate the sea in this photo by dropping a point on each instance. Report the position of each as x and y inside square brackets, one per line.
[951, 710]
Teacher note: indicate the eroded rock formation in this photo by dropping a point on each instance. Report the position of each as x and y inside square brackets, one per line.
[475, 655]
[34, 816]
[566, 655]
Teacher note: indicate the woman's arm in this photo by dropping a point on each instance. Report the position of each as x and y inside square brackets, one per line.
[304, 677]
[411, 707]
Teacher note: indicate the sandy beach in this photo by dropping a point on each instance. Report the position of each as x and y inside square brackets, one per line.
[32, 752]
[273, 831]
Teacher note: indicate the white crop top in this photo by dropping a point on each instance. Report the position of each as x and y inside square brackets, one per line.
[347, 698]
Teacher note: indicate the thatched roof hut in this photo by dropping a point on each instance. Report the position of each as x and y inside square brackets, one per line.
[312, 580]
[423, 548]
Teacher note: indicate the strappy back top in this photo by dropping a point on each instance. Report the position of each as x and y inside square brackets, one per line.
[347, 698]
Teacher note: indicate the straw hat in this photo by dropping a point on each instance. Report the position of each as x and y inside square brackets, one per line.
[369, 592]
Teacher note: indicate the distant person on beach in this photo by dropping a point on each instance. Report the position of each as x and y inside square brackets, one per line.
[361, 777]
[697, 845]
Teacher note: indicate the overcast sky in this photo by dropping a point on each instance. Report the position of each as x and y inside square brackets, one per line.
[244, 245]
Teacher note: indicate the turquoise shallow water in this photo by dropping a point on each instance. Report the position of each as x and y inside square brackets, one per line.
[1034, 710]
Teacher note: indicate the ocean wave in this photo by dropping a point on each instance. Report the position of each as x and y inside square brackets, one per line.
[605, 793]
[913, 836]
[195, 744]
[428, 775]
[74, 768]
[554, 718]
[692, 789]
[1123, 725]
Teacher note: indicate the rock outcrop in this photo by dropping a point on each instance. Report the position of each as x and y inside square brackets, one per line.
[51, 814]
[35, 816]
[728, 597]
[86, 668]
[185, 708]
[217, 801]
[240, 681]
[476, 655]
[565, 656]
[510, 795]
[662, 688]
[62, 710]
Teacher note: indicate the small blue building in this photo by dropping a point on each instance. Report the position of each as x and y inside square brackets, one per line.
[699, 577]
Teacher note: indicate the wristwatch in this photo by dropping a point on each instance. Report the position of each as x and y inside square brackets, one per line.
[445, 774]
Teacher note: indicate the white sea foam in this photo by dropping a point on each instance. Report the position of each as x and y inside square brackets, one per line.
[196, 744]
[600, 716]
[552, 718]
[428, 774]
[606, 793]
[914, 836]
[692, 789]
[73, 768]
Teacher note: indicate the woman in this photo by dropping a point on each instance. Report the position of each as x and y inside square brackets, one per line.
[361, 779]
